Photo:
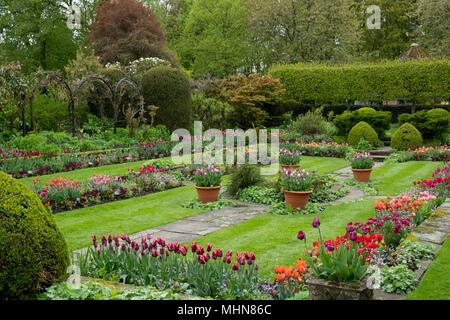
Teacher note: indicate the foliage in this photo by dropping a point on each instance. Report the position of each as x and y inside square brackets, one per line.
[394, 35]
[280, 208]
[96, 290]
[34, 252]
[411, 253]
[300, 31]
[419, 81]
[432, 31]
[362, 130]
[321, 148]
[211, 112]
[168, 89]
[398, 279]
[210, 206]
[126, 31]
[260, 194]
[85, 64]
[311, 123]
[367, 188]
[364, 145]
[214, 38]
[406, 137]
[362, 161]
[378, 120]
[253, 97]
[431, 124]
[244, 176]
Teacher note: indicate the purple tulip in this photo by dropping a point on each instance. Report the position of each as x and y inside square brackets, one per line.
[353, 236]
[316, 222]
[301, 235]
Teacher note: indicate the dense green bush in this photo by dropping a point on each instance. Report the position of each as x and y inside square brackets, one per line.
[168, 88]
[311, 123]
[411, 80]
[378, 120]
[213, 113]
[244, 176]
[33, 252]
[50, 113]
[431, 124]
[363, 130]
[407, 136]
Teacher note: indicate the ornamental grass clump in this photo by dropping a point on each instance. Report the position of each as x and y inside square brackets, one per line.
[198, 270]
[207, 176]
[289, 157]
[362, 161]
[297, 180]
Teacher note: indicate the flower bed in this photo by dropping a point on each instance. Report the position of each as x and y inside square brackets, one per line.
[198, 270]
[27, 164]
[62, 194]
[323, 149]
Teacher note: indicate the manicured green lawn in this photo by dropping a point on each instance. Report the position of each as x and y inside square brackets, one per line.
[397, 177]
[435, 284]
[273, 238]
[126, 216]
[322, 165]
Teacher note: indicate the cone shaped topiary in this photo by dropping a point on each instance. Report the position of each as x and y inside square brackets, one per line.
[33, 252]
[363, 130]
[407, 136]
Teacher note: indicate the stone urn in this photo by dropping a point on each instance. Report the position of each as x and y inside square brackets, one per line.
[320, 289]
[297, 199]
[362, 175]
[208, 194]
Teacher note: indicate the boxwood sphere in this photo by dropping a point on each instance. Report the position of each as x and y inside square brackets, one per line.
[407, 136]
[363, 130]
[33, 252]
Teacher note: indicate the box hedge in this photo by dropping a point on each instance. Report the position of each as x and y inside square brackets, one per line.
[378, 120]
[417, 81]
[363, 130]
[407, 136]
[33, 252]
[431, 124]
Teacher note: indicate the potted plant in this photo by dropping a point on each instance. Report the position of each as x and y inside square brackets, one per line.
[362, 164]
[207, 182]
[289, 160]
[339, 267]
[297, 187]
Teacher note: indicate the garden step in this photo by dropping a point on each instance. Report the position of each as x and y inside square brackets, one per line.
[379, 158]
[385, 151]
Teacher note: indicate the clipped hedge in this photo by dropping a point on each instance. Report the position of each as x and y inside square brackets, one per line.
[169, 89]
[363, 130]
[431, 123]
[378, 120]
[33, 252]
[324, 84]
[407, 136]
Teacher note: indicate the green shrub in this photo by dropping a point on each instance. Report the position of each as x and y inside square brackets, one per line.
[431, 124]
[169, 89]
[244, 176]
[33, 251]
[363, 130]
[378, 120]
[418, 80]
[311, 123]
[50, 113]
[213, 113]
[407, 136]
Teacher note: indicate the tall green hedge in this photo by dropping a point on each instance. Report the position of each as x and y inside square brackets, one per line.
[33, 252]
[417, 81]
[169, 89]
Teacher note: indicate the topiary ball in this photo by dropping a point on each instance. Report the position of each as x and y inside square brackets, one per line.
[33, 252]
[407, 136]
[363, 130]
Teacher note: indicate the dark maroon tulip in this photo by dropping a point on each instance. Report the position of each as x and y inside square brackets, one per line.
[208, 247]
[154, 252]
[194, 246]
[353, 236]
[301, 235]
[235, 266]
[252, 256]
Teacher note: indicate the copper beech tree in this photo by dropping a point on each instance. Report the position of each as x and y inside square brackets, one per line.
[126, 30]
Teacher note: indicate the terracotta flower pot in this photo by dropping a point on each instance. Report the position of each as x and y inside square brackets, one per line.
[328, 290]
[362, 175]
[208, 194]
[290, 167]
[297, 199]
